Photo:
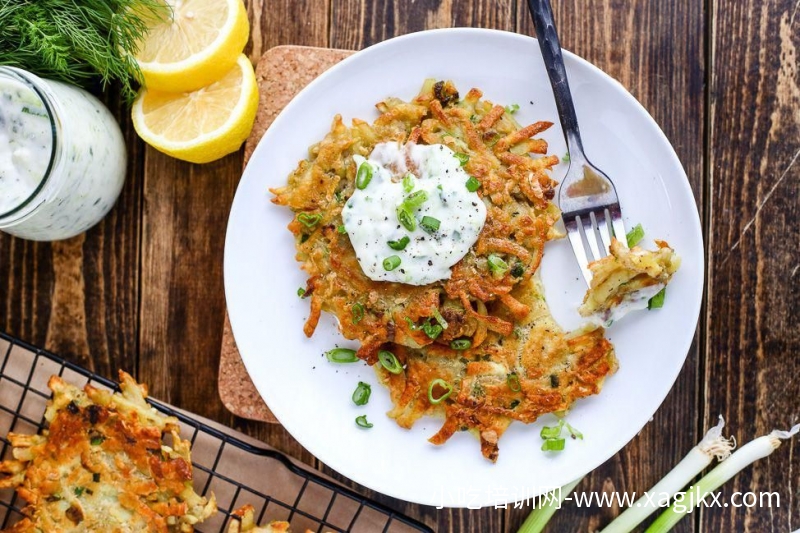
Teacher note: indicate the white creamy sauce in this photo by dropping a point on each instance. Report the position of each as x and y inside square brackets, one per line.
[26, 142]
[633, 301]
[371, 220]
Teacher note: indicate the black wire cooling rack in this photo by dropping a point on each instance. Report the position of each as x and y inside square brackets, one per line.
[237, 472]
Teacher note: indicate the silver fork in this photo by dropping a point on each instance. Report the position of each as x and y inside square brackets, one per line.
[587, 199]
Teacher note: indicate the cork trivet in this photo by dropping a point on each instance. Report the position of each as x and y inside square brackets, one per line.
[281, 73]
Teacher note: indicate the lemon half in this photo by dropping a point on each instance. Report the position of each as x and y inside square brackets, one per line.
[195, 47]
[203, 125]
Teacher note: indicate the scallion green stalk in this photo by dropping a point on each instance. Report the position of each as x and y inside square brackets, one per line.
[743, 457]
[712, 445]
[540, 516]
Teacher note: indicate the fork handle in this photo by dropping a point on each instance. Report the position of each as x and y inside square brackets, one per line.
[545, 25]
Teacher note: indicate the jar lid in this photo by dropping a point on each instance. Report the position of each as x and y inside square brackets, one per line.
[27, 139]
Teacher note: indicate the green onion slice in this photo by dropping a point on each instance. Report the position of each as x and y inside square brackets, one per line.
[463, 159]
[473, 184]
[439, 318]
[552, 432]
[361, 421]
[405, 218]
[574, 433]
[432, 330]
[364, 175]
[553, 445]
[408, 182]
[309, 220]
[389, 361]
[460, 344]
[97, 441]
[401, 244]
[391, 262]
[357, 310]
[497, 266]
[361, 394]
[565, 159]
[429, 224]
[341, 355]
[415, 199]
[513, 382]
[517, 270]
[635, 235]
[657, 301]
[301, 292]
[438, 382]
[511, 109]
[341, 229]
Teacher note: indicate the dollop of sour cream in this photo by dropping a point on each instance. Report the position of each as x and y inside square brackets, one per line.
[372, 223]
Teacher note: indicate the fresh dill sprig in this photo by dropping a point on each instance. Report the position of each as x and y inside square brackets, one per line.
[78, 41]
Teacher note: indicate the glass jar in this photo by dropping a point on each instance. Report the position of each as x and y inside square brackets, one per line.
[62, 158]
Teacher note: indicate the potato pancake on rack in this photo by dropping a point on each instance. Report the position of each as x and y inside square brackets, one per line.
[102, 464]
[465, 333]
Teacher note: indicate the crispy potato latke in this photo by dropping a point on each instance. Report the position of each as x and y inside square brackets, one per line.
[102, 464]
[246, 523]
[515, 363]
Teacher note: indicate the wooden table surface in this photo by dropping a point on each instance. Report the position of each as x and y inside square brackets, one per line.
[143, 290]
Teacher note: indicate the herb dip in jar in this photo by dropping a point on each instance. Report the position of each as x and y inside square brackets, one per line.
[62, 158]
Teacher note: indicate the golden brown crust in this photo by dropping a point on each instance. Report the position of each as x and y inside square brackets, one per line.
[245, 523]
[502, 314]
[102, 464]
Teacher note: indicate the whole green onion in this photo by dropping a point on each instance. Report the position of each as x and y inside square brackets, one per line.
[539, 517]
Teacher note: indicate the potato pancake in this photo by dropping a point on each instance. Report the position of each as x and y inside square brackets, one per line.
[485, 334]
[103, 464]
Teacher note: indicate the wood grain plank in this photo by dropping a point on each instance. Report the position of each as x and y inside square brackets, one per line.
[78, 297]
[356, 24]
[752, 371]
[185, 215]
[656, 50]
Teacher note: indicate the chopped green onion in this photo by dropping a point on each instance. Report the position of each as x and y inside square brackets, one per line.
[429, 224]
[473, 184]
[439, 318]
[301, 292]
[405, 218]
[566, 159]
[389, 362]
[657, 301]
[415, 199]
[513, 382]
[497, 266]
[341, 355]
[97, 441]
[341, 229]
[303, 238]
[517, 270]
[635, 235]
[357, 310]
[553, 445]
[460, 344]
[408, 182]
[361, 421]
[574, 433]
[364, 175]
[463, 159]
[399, 245]
[411, 325]
[391, 262]
[361, 394]
[309, 219]
[438, 382]
[552, 432]
[511, 109]
[432, 330]
[79, 491]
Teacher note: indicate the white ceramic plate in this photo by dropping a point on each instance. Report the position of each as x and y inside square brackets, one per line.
[311, 397]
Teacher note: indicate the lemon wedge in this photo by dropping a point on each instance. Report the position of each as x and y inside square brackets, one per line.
[195, 47]
[203, 125]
